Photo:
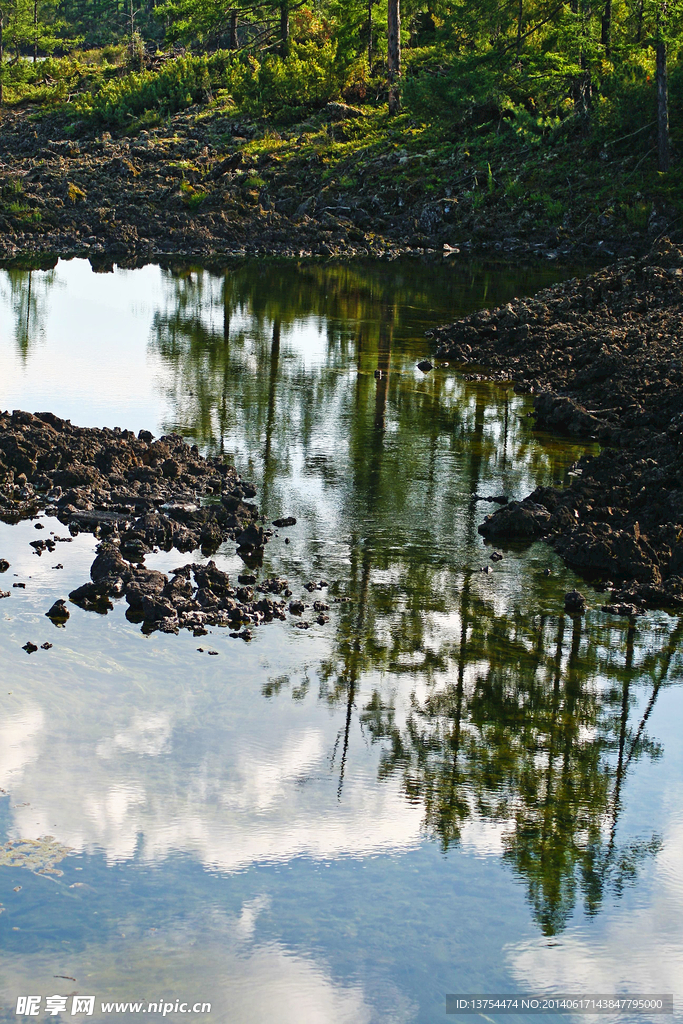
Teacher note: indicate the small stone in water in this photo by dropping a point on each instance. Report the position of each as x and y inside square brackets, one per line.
[59, 612]
[574, 602]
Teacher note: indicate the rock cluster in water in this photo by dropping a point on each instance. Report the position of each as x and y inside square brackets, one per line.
[139, 494]
[603, 357]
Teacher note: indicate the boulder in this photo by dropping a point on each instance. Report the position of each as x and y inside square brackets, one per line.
[518, 520]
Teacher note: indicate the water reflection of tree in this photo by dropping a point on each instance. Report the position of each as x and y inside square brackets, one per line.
[26, 293]
[524, 736]
[521, 722]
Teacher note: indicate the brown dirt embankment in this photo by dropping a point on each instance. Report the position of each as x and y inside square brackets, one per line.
[603, 357]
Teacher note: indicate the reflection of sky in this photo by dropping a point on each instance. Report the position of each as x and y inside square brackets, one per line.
[142, 752]
[92, 365]
[219, 962]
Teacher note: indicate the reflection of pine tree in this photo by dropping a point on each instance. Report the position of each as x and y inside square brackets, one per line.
[527, 744]
[26, 292]
[525, 723]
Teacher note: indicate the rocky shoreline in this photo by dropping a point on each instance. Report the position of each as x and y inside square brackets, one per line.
[137, 495]
[603, 357]
[182, 192]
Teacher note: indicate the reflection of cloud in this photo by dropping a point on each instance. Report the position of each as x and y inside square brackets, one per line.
[19, 743]
[483, 837]
[245, 803]
[640, 950]
[262, 783]
[146, 735]
[214, 960]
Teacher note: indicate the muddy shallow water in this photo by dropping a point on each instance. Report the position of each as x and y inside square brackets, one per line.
[450, 787]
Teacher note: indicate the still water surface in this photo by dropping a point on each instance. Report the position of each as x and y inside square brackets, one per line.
[449, 787]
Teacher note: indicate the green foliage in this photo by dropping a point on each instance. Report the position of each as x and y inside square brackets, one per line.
[192, 197]
[308, 77]
[179, 84]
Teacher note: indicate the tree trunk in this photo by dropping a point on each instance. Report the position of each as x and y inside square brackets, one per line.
[606, 31]
[131, 15]
[662, 108]
[233, 30]
[284, 28]
[35, 31]
[370, 36]
[394, 40]
[2, 55]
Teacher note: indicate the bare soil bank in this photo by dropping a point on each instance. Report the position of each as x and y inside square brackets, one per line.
[603, 357]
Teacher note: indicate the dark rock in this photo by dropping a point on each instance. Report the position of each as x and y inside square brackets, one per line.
[297, 607]
[46, 646]
[425, 365]
[285, 521]
[59, 613]
[4, 593]
[30, 648]
[246, 579]
[252, 537]
[19, 586]
[91, 598]
[496, 556]
[231, 163]
[563, 415]
[109, 565]
[342, 111]
[155, 606]
[629, 610]
[4, 565]
[519, 520]
[574, 603]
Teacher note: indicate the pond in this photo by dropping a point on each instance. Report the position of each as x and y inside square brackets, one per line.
[449, 787]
